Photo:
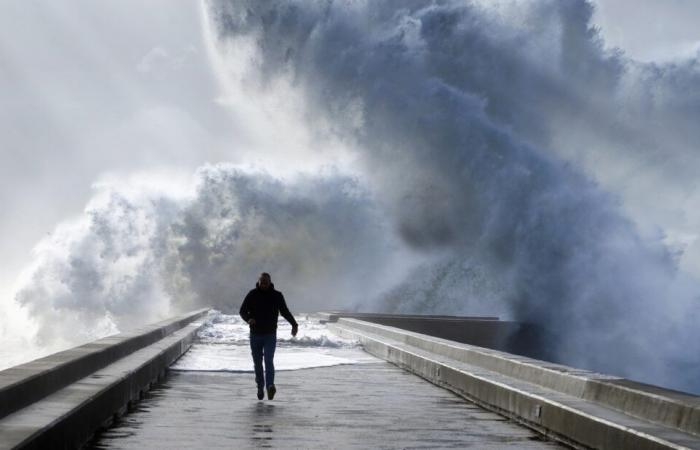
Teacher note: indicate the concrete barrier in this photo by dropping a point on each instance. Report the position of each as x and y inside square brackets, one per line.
[333, 316]
[579, 407]
[59, 401]
[488, 331]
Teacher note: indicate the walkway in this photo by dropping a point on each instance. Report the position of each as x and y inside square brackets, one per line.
[375, 405]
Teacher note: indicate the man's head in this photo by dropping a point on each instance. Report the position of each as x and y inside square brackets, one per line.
[264, 282]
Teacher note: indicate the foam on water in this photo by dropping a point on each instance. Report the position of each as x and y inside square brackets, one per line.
[222, 345]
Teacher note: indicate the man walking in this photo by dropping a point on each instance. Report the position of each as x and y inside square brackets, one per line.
[260, 309]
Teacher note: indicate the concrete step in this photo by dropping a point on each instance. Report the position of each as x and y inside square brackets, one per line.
[664, 406]
[69, 416]
[26, 383]
[540, 395]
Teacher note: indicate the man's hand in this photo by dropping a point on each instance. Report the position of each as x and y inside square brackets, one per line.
[251, 321]
[295, 329]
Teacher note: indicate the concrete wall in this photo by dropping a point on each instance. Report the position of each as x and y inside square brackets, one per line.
[488, 331]
[582, 408]
[61, 400]
[333, 316]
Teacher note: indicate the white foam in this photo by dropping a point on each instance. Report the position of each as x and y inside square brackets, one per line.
[222, 345]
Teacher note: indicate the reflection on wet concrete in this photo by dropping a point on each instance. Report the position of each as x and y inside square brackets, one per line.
[262, 418]
[356, 406]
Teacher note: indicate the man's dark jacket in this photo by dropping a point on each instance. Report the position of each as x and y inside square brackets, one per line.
[265, 306]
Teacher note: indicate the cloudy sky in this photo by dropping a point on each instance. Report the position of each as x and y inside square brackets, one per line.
[650, 30]
[88, 89]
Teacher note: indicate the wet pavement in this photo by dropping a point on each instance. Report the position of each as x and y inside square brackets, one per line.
[370, 405]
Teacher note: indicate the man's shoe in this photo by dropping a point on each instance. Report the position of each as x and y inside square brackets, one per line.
[261, 393]
[271, 391]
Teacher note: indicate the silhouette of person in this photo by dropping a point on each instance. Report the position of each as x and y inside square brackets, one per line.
[260, 309]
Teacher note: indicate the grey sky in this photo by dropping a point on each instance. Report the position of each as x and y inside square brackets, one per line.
[650, 30]
[93, 87]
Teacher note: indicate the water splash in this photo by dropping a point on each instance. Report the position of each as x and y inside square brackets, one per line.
[494, 135]
[222, 345]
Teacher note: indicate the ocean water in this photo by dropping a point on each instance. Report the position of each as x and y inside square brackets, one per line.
[222, 345]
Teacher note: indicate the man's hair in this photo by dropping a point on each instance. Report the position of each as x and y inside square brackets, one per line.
[266, 275]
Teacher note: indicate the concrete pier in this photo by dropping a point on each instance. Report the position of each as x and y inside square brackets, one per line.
[581, 408]
[482, 331]
[59, 401]
[476, 397]
[356, 406]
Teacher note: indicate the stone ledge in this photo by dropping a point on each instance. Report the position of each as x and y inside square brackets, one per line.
[68, 417]
[551, 398]
[664, 406]
[27, 383]
[333, 316]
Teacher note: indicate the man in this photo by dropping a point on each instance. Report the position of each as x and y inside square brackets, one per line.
[260, 309]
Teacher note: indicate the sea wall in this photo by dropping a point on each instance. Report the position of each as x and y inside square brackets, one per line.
[59, 401]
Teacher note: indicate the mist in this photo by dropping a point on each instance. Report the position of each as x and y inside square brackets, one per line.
[143, 251]
[496, 136]
[444, 157]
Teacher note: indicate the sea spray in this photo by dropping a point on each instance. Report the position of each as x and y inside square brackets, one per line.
[222, 345]
[501, 161]
[479, 125]
[137, 255]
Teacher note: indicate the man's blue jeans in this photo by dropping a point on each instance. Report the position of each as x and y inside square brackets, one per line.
[263, 346]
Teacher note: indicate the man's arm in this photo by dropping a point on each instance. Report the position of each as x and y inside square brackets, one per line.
[288, 315]
[245, 311]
